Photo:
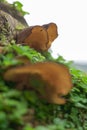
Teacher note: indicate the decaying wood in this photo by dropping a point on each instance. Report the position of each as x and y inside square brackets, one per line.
[55, 79]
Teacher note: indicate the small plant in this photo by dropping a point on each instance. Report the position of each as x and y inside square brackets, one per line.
[19, 6]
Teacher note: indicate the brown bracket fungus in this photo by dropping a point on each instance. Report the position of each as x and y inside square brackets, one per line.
[56, 78]
[38, 37]
[52, 33]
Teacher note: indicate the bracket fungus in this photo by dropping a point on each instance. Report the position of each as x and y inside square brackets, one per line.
[52, 33]
[55, 76]
[38, 37]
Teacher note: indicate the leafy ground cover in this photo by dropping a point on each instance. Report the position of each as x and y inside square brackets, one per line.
[21, 111]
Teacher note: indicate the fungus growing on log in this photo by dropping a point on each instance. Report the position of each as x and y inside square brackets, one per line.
[55, 77]
[38, 37]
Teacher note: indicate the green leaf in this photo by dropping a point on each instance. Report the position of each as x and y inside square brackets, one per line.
[18, 5]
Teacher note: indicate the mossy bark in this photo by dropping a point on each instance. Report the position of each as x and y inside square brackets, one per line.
[11, 22]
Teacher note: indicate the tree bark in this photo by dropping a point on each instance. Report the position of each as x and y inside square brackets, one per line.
[10, 22]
